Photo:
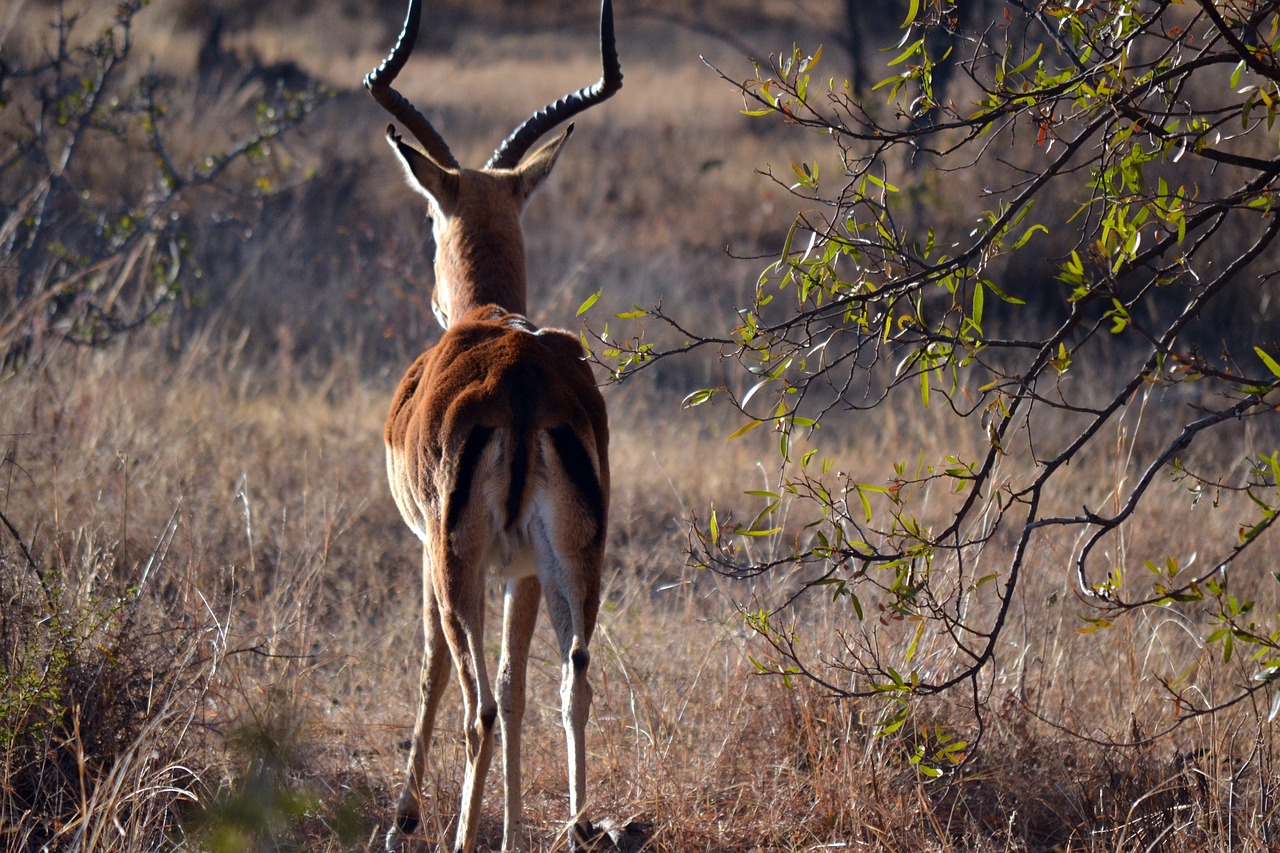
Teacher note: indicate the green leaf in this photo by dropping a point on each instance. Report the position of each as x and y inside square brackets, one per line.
[915, 641]
[1030, 60]
[912, 11]
[866, 502]
[912, 48]
[1026, 235]
[1004, 297]
[697, 398]
[892, 723]
[745, 428]
[591, 300]
[884, 185]
[1270, 362]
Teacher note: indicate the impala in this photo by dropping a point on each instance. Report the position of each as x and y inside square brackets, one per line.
[497, 447]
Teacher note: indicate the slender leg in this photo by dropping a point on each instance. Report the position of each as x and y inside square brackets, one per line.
[572, 592]
[435, 668]
[520, 614]
[575, 705]
[459, 590]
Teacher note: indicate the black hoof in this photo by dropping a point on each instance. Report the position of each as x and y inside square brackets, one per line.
[583, 837]
[398, 835]
[610, 836]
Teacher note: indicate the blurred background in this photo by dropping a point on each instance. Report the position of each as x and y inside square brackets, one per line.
[314, 246]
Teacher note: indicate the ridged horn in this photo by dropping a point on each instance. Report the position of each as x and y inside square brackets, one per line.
[379, 80]
[518, 143]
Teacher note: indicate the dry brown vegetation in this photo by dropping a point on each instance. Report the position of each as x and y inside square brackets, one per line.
[209, 628]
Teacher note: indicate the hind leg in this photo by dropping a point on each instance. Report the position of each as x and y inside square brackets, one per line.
[520, 614]
[459, 588]
[435, 669]
[572, 589]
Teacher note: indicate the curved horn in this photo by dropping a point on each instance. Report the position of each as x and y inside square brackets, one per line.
[514, 146]
[379, 80]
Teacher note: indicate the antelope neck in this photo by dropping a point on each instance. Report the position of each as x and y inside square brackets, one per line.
[478, 272]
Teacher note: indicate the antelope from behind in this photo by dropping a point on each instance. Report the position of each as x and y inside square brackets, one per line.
[497, 453]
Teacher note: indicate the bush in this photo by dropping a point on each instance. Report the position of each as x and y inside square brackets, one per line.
[97, 705]
[1040, 348]
[100, 206]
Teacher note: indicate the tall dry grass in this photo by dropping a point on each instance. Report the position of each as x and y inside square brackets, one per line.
[210, 635]
[236, 606]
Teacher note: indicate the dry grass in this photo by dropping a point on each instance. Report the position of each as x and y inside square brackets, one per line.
[230, 595]
[277, 596]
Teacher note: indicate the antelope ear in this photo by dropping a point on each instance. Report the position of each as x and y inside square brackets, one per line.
[533, 171]
[425, 174]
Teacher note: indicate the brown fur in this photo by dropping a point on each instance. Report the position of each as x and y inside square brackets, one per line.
[497, 454]
[474, 376]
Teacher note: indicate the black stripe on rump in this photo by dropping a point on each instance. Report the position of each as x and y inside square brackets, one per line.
[577, 464]
[467, 464]
[519, 475]
[518, 381]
